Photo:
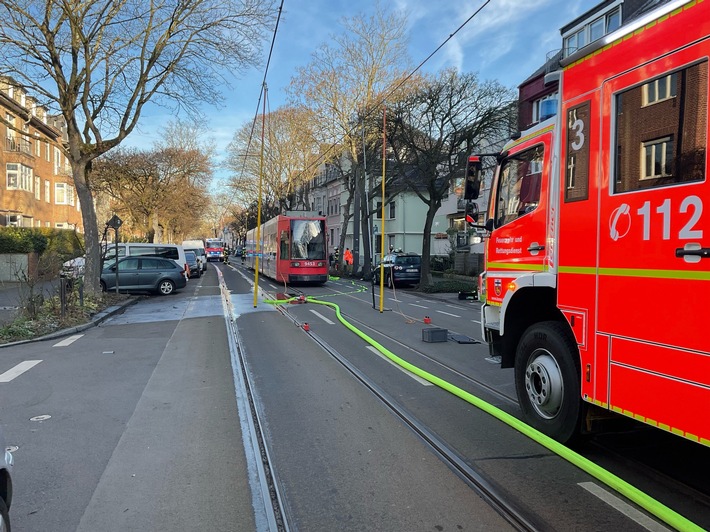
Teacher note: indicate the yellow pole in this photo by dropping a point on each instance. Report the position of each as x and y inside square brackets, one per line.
[382, 238]
[258, 209]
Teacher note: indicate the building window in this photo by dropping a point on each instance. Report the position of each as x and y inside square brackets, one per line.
[47, 188]
[392, 210]
[47, 152]
[13, 175]
[38, 148]
[19, 177]
[659, 89]
[592, 31]
[657, 158]
[57, 161]
[60, 194]
[38, 189]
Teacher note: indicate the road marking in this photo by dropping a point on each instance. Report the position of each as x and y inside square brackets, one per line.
[322, 317]
[448, 314]
[420, 306]
[394, 299]
[18, 370]
[626, 509]
[454, 306]
[474, 321]
[417, 378]
[68, 341]
[273, 286]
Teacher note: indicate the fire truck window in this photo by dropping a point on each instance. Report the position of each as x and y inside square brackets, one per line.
[661, 128]
[577, 164]
[519, 185]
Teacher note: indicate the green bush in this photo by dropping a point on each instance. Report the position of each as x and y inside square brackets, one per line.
[449, 286]
[65, 243]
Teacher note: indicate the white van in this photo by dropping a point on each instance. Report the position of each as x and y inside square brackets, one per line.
[198, 246]
[168, 251]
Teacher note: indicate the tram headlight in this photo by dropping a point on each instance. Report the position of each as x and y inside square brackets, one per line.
[295, 264]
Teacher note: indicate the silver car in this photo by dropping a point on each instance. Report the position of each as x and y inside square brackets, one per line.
[6, 463]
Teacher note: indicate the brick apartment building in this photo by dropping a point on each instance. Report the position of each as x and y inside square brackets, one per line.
[37, 189]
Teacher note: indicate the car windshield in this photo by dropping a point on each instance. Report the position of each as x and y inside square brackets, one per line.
[409, 260]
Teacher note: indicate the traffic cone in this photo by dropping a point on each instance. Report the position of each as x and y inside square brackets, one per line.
[427, 320]
[306, 327]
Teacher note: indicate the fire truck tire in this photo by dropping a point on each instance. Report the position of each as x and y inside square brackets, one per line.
[547, 380]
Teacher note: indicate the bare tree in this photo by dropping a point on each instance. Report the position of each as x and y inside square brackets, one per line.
[289, 155]
[99, 62]
[157, 192]
[363, 60]
[434, 128]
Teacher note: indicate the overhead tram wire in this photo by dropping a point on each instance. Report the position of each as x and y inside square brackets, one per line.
[258, 103]
[382, 99]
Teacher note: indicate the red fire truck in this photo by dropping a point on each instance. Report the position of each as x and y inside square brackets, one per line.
[597, 278]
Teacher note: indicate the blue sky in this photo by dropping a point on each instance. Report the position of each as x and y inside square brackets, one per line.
[508, 40]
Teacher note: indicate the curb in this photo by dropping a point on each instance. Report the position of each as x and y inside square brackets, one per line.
[96, 319]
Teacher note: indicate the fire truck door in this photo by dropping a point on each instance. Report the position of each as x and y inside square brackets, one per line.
[654, 249]
[517, 243]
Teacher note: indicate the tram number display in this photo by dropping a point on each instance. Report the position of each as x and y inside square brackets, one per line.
[310, 263]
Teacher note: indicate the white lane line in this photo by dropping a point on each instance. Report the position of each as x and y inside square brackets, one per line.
[420, 306]
[474, 321]
[68, 341]
[400, 368]
[626, 509]
[274, 286]
[322, 317]
[454, 306]
[394, 299]
[448, 314]
[18, 370]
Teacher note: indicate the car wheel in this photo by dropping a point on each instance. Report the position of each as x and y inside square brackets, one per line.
[5, 517]
[166, 287]
[390, 281]
[103, 286]
[547, 380]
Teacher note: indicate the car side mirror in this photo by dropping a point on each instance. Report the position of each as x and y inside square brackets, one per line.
[490, 225]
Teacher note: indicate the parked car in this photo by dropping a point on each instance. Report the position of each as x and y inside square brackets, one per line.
[74, 268]
[167, 251]
[400, 268]
[143, 273]
[201, 256]
[193, 264]
[6, 464]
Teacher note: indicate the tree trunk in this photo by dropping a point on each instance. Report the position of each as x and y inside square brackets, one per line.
[92, 272]
[426, 278]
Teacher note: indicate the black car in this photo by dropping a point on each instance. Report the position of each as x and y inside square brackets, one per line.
[193, 263]
[400, 268]
[141, 274]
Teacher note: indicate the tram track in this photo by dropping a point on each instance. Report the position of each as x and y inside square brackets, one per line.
[516, 516]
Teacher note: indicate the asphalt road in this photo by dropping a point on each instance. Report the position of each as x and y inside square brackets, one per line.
[139, 424]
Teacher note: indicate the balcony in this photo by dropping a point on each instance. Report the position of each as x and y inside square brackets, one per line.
[18, 145]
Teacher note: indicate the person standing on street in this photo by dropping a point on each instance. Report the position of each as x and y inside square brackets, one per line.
[348, 257]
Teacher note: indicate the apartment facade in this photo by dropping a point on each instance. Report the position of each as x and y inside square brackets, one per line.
[37, 189]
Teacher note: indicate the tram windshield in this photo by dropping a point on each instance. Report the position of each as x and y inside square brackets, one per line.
[308, 238]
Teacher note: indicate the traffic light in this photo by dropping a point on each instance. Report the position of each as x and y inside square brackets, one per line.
[471, 213]
[473, 178]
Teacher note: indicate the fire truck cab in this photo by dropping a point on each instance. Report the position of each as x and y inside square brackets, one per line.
[597, 270]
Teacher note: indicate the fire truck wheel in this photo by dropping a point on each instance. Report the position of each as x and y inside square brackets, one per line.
[547, 380]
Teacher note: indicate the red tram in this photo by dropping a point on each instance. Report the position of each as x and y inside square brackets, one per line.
[293, 248]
